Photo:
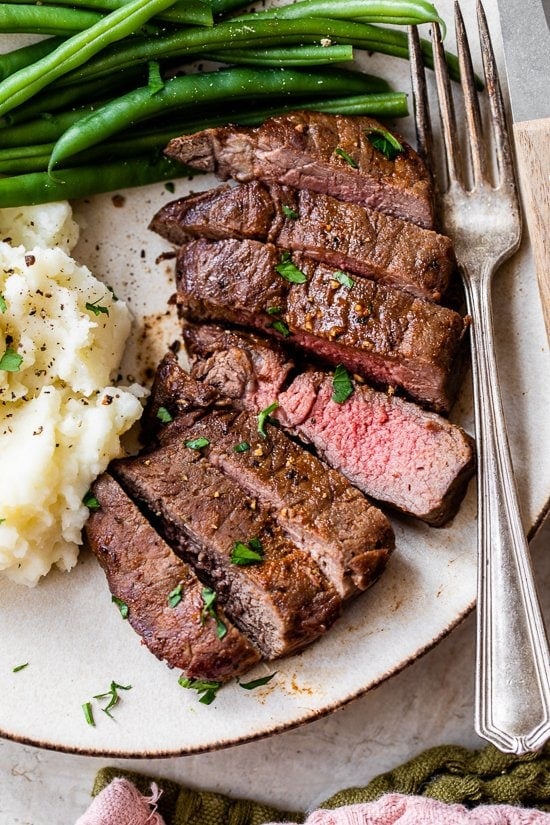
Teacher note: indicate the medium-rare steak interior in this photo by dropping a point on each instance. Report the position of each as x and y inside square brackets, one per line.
[395, 452]
[382, 334]
[319, 152]
[363, 241]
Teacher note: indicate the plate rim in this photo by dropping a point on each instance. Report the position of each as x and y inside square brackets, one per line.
[309, 716]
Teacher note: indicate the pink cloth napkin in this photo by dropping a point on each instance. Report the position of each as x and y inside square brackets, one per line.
[121, 804]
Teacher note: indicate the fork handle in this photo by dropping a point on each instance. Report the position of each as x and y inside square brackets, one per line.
[513, 663]
[532, 138]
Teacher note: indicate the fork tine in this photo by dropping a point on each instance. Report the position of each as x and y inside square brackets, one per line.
[446, 108]
[502, 140]
[471, 101]
[421, 106]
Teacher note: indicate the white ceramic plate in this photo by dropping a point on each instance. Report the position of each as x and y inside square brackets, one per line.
[74, 638]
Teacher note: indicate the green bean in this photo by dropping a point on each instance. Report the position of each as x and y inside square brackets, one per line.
[22, 159]
[190, 12]
[289, 56]
[82, 181]
[35, 158]
[11, 62]
[403, 12]
[250, 34]
[43, 129]
[75, 51]
[221, 7]
[57, 99]
[45, 20]
[201, 89]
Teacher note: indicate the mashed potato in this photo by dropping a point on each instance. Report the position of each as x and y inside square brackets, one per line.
[62, 334]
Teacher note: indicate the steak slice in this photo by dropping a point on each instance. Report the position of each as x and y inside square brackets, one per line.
[324, 153]
[363, 241]
[250, 370]
[142, 571]
[348, 537]
[382, 334]
[391, 449]
[282, 603]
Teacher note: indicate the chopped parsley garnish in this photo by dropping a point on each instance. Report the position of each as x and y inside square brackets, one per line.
[2, 520]
[170, 186]
[17, 668]
[383, 141]
[163, 415]
[91, 501]
[88, 713]
[348, 158]
[174, 598]
[3, 304]
[289, 212]
[263, 418]
[257, 682]
[281, 328]
[256, 544]
[209, 597]
[96, 307]
[290, 271]
[343, 278]
[342, 386]
[111, 290]
[122, 606]
[197, 443]
[207, 690]
[274, 310]
[11, 360]
[114, 698]
[245, 554]
[242, 447]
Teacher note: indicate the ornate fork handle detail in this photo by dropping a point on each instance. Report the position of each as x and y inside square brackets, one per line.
[513, 689]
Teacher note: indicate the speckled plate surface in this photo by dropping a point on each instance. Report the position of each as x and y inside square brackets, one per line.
[74, 638]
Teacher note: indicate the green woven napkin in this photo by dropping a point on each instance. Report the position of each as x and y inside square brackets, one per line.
[447, 773]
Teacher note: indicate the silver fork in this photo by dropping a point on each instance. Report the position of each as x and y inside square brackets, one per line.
[513, 663]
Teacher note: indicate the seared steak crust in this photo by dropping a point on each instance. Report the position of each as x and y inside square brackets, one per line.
[281, 604]
[308, 150]
[256, 372]
[390, 449]
[363, 241]
[384, 335]
[141, 571]
[323, 514]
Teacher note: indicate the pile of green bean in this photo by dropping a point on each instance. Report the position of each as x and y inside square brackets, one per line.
[89, 108]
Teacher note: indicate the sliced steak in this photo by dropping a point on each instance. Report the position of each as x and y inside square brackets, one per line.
[348, 537]
[142, 571]
[254, 371]
[266, 368]
[282, 603]
[363, 241]
[391, 449]
[384, 335]
[324, 153]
